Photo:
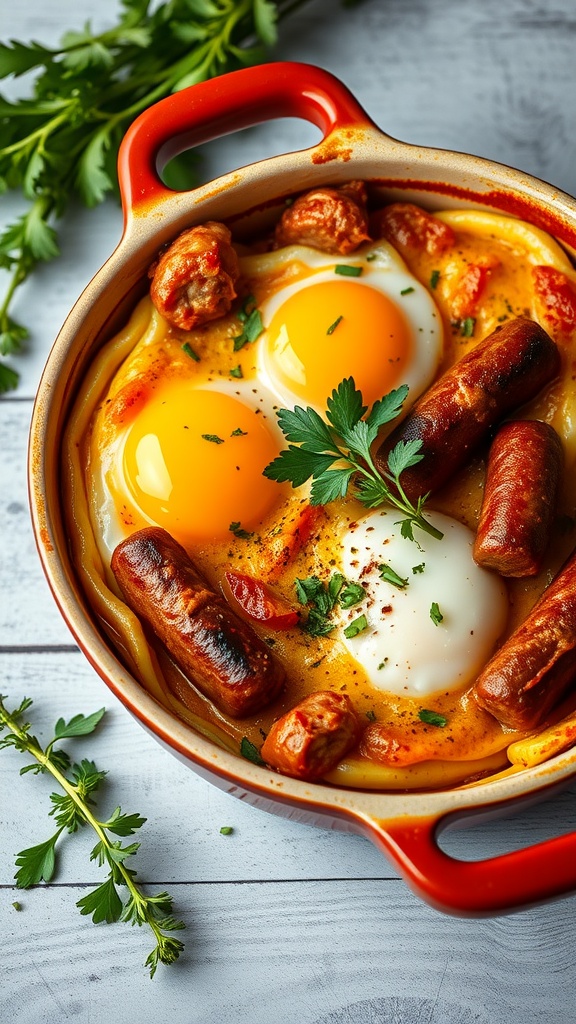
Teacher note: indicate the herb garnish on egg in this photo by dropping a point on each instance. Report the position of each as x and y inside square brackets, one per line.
[333, 451]
[435, 613]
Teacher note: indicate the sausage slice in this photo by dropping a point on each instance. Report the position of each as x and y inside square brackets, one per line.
[536, 666]
[313, 737]
[454, 416]
[216, 650]
[522, 479]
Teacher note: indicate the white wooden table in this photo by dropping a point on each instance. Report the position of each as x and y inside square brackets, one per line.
[285, 923]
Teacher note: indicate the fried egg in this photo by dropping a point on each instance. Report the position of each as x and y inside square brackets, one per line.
[191, 462]
[192, 458]
[432, 615]
[363, 315]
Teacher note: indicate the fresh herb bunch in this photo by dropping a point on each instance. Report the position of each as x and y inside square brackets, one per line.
[336, 452]
[73, 809]
[62, 141]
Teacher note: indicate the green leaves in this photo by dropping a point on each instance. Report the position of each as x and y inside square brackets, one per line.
[250, 751]
[79, 725]
[61, 142]
[102, 904]
[321, 599]
[37, 863]
[17, 58]
[92, 179]
[252, 326]
[265, 19]
[432, 718]
[71, 809]
[337, 451]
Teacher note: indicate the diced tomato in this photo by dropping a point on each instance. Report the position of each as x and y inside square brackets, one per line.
[257, 601]
[470, 287]
[408, 227]
[557, 295]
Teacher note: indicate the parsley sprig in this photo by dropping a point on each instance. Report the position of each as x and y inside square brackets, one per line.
[72, 809]
[61, 142]
[336, 452]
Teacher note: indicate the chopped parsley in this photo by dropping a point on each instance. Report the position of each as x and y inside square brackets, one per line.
[419, 568]
[321, 599]
[348, 270]
[406, 291]
[467, 327]
[370, 716]
[236, 371]
[388, 574]
[351, 594]
[356, 626]
[238, 432]
[434, 278]
[226, 830]
[333, 326]
[251, 319]
[213, 438]
[432, 718]
[435, 613]
[237, 530]
[187, 348]
[250, 751]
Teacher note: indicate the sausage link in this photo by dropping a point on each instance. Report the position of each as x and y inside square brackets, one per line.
[412, 230]
[453, 417]
[194, 280]
[310, 740]
[215, 649]
[536, 666]
[522, 480]
[330, 219]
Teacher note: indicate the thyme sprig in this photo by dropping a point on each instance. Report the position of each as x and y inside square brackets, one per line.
[72, 809]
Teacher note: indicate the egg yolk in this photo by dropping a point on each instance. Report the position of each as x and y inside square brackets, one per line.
[336, 329]
[193, 462]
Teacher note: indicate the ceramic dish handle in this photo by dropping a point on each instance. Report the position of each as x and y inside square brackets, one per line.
[240, 99]
[499, 884]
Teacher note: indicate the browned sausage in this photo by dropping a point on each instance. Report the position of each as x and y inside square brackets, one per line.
[453, 417]
[522, 479]
[536, 666]
[313, 737]
[194, 280]
[330, 219]
[411, 229]
[215, 649]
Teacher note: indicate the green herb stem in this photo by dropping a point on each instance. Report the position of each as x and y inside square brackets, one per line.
[62, 141]
[139, 908]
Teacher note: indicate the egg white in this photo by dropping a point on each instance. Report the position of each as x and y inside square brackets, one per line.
[402, 650]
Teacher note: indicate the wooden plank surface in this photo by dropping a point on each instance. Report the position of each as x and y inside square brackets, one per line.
[285, 922]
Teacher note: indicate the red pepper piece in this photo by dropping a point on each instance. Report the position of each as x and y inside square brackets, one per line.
[259, 603]
[558, 296]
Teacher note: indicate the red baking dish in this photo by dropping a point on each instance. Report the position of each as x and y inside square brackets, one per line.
[404, 825]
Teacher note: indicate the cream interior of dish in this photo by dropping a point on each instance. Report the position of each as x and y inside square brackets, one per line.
[174, 428]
